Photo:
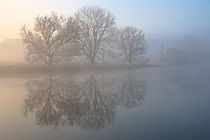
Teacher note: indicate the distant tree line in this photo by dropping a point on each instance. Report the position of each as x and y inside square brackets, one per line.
[188, 50]
[90, 32]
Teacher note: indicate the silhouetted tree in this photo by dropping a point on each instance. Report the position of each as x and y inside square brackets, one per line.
[96, 26]
[51, 40]
[132, 42]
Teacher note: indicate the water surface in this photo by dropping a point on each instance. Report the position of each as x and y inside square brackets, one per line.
[148, 103]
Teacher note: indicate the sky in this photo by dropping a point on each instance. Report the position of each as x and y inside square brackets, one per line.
[154, 17]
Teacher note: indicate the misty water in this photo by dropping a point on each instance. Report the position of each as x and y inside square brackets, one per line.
[146, 103]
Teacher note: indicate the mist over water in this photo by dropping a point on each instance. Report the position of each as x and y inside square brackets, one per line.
[104, 70]
[149, 103]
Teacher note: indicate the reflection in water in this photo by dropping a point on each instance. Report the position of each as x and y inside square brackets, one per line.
[97, 107]
[132, 91]
[89, 103]
[53, 101]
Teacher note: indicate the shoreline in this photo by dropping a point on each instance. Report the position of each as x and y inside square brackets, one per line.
[73, 68]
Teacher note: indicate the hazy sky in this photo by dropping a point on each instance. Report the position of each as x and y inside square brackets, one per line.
[154, 17]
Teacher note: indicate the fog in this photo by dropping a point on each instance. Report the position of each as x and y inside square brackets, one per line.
[195, 47]
[163, 23]
[121, 70]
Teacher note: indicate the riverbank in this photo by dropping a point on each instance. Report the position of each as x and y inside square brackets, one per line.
[36, 69]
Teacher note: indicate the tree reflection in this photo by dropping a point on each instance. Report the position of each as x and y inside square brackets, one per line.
[89, 103]
[133, 90]
[53, 101]
[97, 107]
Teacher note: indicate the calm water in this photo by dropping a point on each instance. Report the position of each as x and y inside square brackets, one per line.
[170, 103]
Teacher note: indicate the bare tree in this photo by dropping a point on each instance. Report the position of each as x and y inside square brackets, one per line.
[50, 42]
[132, 42]
[96, 26]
